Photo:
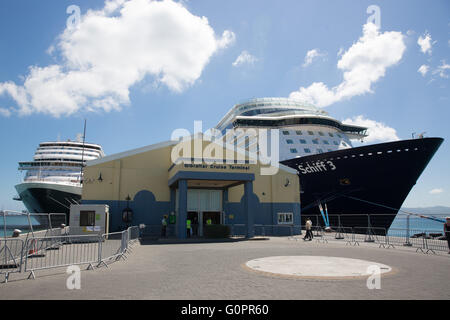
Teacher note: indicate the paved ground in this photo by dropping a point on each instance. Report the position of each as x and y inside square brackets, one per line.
[201, 271]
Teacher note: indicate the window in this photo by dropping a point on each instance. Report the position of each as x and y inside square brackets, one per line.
[289, 141]
[330, 134]
[321, 133]
[319, 151]
[338, 135]
[299, 132]
[315, 141]
[307, 150]
[336, 143]
[344, 144]
[293, 150]
[311, 133]
[325, 142]
[286, 133]
[302, 141]
[87, 218]
[285, 218]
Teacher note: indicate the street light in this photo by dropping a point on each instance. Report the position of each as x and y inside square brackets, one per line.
[127, 213]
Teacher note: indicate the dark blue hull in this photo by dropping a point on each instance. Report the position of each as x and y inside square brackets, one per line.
[373, 179]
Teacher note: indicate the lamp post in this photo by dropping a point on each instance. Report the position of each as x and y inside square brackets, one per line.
[127, 213]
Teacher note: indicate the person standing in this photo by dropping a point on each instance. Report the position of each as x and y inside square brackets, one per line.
[163, 227]
[308, 227]
[188, 227]
[447, 232]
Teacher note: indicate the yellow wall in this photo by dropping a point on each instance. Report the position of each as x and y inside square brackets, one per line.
[149, 171]
[128, 176]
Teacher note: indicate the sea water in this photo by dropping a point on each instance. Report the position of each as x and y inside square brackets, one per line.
[418, 224]
[17, 222]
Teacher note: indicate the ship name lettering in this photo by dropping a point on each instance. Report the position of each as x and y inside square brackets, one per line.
[318, 166]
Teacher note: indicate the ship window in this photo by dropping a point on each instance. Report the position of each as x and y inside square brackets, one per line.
[293, 150]
[315, 141]
[326, 142]
[299, 132]
[87, 218]
[289, 141]
[321, 133]
[311, 133]
[344, 144]
[336, 143]
[319, 151]
[330, 134]
[307, 150]
[338, 135]
[286, 133]
[302, 141]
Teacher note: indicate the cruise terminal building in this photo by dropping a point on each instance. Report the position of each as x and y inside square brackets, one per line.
[224, 187]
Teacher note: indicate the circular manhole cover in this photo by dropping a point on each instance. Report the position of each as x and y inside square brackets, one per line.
[317, 267]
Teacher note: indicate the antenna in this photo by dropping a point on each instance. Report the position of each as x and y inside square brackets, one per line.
[82, 152]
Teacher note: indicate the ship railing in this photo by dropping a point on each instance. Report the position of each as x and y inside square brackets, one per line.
[11, 254]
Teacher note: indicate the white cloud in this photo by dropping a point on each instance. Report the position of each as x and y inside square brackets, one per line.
[244, 58]
[441, 70]
[425, 43]
[113, 49]
[436, 191]
[311, 55]
[423, 70]
[377, 131]
[5, 113]
[363, 64]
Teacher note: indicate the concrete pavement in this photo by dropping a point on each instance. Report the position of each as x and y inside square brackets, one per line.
[203, 271]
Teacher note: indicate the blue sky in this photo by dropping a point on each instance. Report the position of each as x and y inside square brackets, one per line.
[135, 87]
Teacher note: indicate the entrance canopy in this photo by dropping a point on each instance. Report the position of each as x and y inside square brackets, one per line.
[210, 179]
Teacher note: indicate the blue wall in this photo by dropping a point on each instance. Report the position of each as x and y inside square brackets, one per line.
[148, 211]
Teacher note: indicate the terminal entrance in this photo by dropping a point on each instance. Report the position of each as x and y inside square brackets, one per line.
[203, 206]
[200, 219]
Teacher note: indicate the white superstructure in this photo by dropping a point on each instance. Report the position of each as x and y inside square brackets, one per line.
[53, 180]
[60, 162]
[303, 128]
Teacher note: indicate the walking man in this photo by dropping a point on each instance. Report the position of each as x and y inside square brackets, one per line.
[447, 232]
[308, 227]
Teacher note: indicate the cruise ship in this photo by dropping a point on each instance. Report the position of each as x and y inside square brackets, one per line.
[53, 180]
[339, 182]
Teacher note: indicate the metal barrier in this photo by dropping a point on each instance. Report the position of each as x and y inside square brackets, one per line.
[62, 251]
[238, 230]
[275, 230]
[11, 254]
[113, 246]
